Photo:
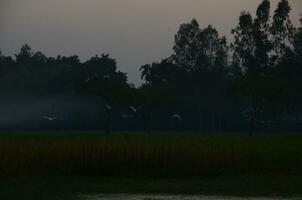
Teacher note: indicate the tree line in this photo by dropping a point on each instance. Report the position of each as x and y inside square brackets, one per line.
[252, 83]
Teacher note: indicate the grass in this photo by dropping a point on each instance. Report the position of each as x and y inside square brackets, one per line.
[160, 163]
[66, 188]
[161, 155]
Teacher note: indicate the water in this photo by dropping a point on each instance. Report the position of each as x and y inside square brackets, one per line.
[170, 197]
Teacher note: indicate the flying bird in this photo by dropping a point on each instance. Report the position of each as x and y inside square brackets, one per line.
[135, 109]
[176, 117]
[108, 106]
[50, 118]
[87, 80]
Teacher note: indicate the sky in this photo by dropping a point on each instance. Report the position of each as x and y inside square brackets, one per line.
[135, 32]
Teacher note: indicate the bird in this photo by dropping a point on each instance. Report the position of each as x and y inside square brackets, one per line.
[108, 106]
[50, 118]
[176, 117]
[135, 109]
[87, 80]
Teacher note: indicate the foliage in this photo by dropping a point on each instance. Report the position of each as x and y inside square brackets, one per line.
[33, 72]
[212, 84]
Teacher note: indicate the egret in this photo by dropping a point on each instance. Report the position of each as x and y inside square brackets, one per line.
[176, 117]
[108, 107]
[50, 118]
[87, 80]
[135, 109]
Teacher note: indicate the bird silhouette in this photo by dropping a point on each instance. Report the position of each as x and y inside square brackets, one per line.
[108, 106]
[50, 118]
[87, 80]
[176, 117]
[135, 109]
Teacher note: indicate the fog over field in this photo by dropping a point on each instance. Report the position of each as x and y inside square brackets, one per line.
[135, 32]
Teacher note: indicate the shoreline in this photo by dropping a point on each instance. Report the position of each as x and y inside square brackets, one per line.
[245, 186]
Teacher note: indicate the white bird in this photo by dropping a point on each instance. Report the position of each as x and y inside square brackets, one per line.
[87, 80]
[50, 118]
[135, 109]
[176, 117]
[108, 107]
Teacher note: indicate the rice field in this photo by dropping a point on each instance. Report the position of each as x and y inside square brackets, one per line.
[27, 154]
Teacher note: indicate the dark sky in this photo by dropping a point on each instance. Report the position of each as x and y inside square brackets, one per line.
[135, 32]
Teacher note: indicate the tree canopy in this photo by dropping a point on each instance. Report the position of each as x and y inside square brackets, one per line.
[213, 84]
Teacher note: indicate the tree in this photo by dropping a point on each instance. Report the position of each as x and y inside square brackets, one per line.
[261, 32]
[244, 57]
[64, 73]
[298, 42]
[6, 65]
[289, 69]
[252, 52]
[164, 74]
[153, 100]
[282, 30]
[103, 68]
[24, 55]
[186, 47]
[243, 45]
[201, 56]
[259, 94]
[197, 49]
[101, 78]
[252, 44]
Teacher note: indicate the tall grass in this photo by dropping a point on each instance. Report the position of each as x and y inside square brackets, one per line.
[94, 154]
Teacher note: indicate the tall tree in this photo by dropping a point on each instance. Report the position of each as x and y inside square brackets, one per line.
[202, 56]
[261, 32]
[243, 46]
[25, 54]
[298, 42]
[252, 50]
[186, 47]
[289, 69]
[282, 30]
[199, 49]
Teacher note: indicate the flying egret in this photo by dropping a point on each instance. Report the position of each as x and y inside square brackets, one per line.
[135, 109]
[87, 80]
[176, 117]
[108, 107]
[50, 118]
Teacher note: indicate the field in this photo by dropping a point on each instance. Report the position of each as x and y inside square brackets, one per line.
[160, 155]
[131, 162]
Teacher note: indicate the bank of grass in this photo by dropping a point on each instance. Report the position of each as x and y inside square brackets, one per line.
[27, 154]
[54, 165]
[62, 188]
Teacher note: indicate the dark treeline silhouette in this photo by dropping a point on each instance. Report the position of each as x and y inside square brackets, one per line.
[205, 85]
[38, 74]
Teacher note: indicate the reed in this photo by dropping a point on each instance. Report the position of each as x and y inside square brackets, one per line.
[163, 155]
